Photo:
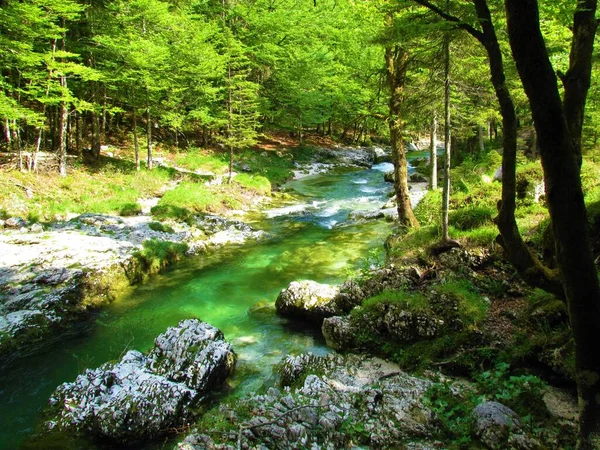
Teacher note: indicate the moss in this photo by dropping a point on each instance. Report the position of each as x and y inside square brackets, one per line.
[158, 226]
[471, 305]
[154, 257]
[101, 287]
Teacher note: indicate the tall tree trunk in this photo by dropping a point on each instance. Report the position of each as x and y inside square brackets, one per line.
[396, 65]
[447, 143]
[7, 133]
[230, 121]
[433, 175]
[104, 121]
[558, 127]
[62, 135]
[62, 129]
[481, 139]
[136, 142]
[96, 143]
[78, 133]
[148, 132]
[16, 140]
[526, 263]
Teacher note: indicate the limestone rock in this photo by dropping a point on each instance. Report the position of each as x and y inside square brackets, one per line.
[499, 427]
[417, 178]
[336, 401]
[15, 223]
[389, 177]
[366, 215]
[382, 155]
[309, 300]
[194, 353]
[338, 332]
[142, 396]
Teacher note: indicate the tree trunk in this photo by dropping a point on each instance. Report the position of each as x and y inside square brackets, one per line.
[78, 133]
[148, 133]
[96, 143]
[447, 143]
[526, 263]
[558, 126]
[136, 142]
[7, 133]
[481, 139]
[16, 141]
[396, 65]
[62, 131]
[433, 176]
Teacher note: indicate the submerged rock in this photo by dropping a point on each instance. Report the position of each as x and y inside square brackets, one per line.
[144, 396]
[309, 300]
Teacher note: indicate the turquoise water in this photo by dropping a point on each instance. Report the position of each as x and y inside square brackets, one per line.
[233, 289]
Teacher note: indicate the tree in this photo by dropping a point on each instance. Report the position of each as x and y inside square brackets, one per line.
[447, 142]
[558, 125]
[561, 127]
[241, 100]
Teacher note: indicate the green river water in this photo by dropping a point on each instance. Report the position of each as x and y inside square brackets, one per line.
[234, 289]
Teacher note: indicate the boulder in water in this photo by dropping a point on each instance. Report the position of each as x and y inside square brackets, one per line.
[308, 300]
[143, 396]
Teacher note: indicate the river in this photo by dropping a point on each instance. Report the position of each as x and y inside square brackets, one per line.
[234, 289]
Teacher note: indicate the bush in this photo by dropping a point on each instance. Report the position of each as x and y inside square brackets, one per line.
[130, 209]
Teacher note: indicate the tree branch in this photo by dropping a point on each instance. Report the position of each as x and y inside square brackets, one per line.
[453, 19]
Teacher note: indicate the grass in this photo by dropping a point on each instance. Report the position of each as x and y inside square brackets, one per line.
[255, 183]
[190, 198]
[411, 301]
[197, 159]
[114, 189]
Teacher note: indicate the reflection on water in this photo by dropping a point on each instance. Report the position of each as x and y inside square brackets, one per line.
[234, 290]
